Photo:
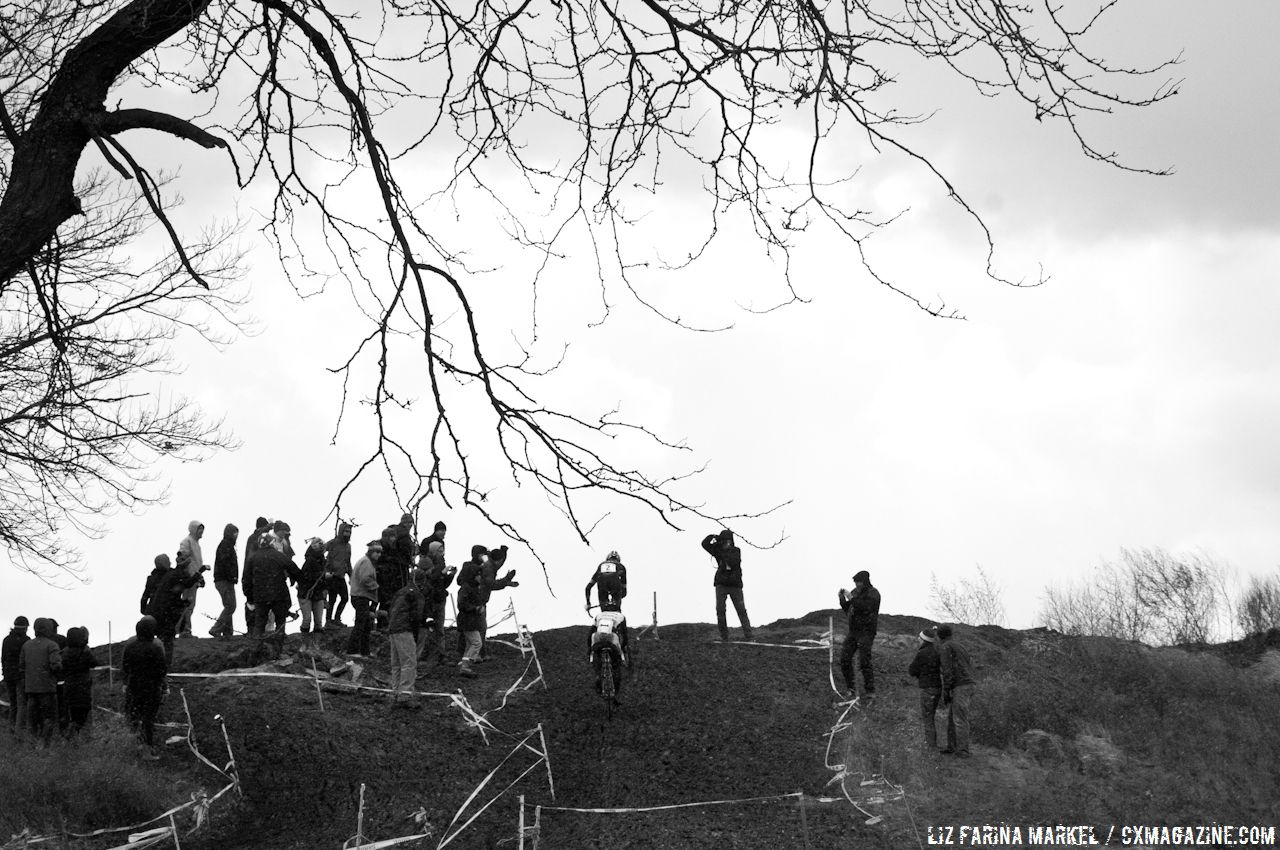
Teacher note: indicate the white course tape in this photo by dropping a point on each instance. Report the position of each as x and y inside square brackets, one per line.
[796, 795]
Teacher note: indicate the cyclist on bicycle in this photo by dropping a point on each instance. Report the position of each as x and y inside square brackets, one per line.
[610, 582]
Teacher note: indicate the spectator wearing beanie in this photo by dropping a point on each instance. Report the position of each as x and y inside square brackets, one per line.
[11, 665]
[926, 669]
[226, 574]
[78, 662]
[337, 572]
[862, 605]
[364, 595]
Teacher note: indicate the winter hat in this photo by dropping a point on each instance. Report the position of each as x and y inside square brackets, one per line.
[928, 636]
[478, 551]
[344, 526]
[21, 622]
[78, 636]
[375, 543]
[406, 519]
[435, 547]
[440, 526]
[261, 522]
[944, 632]
[862, 575]
[146, 628]
[162, 560]
[281, 527]
[315, 541]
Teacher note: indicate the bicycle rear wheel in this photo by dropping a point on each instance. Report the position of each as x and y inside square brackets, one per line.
[606, 681]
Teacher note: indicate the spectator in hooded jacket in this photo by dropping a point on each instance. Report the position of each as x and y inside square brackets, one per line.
[167, 603]
[398, 553]
[143, 669]
[11, 665]
[404, 622]
[926, 669]
[337, 571]
[40, 666]
[728, 581]
[364, 595]
[862, 604]
[311, 589]
[271, 571]
[78, 662]
[190, 546]
[160, 567]
[226, 574]
[483, 568]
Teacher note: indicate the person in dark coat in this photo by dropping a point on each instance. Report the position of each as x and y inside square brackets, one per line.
[862, 605]
[78, 662]
[159, 568]
[436, 589]
[143, 669]
[337, 572]
[926, 669]
[311, 587]
[404, 622]
[226, 574]
[40, 667]
[167, 603]
[11, 665]
[271, 571]
[261, 526]
[957, 690]
[472, 597]
[728, 581]
[483, 569]
[398, 551]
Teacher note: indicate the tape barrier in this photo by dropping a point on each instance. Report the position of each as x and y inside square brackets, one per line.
[794, 795]
[450, 832]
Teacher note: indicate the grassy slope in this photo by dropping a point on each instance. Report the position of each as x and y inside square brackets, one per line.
[704, 722]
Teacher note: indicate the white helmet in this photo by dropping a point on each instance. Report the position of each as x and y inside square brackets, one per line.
[614, 556]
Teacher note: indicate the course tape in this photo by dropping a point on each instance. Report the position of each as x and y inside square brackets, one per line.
[797, 795]
[450, 832]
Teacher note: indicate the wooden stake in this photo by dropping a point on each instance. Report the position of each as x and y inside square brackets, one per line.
[319, 695]
[655, 615]
[804, 823]
[174, 826]
[521, 822]
[360, 819]
[111, 673]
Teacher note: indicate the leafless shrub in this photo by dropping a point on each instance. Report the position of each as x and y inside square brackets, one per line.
[1150, 595]
[976, 600]
[1258, 608]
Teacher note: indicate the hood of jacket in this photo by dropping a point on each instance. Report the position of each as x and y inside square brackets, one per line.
[725, 539]
[146, 628]
[230, 532]
[193, 526]
[78, 636]
[44, 627]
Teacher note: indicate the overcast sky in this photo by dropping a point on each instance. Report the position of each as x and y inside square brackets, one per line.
[1131, 401]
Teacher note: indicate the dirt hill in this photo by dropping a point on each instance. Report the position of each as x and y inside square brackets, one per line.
[1076, 731]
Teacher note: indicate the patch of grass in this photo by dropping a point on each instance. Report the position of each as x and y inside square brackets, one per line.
[95, 781]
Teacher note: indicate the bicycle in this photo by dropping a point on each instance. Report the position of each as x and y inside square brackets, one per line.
[607, 657]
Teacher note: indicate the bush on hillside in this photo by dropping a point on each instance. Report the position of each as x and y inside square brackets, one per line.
[973, 600]
[92, 782]
[1258, 608]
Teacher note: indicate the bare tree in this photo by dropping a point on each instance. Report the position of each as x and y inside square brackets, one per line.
[1258, 608]
[1150, 596]
[569, 121]
[977, 599]
[83, 336]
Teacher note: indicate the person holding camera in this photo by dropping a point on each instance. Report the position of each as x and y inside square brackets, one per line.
[862, 606]
[728, 581]
[167, 603]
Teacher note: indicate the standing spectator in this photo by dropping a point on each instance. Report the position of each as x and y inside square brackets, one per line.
[863, 607]
[404, 621]
[957, 691]
[728, 581]
[143, 670]
[311, 588]
[436, 536]
[282, 531]
[11, 665]
[483, 569]
[364, 595]
[226, 574]
[167, 603]
[190, 546]
[39, 666]
[260, 527]
[397, 559]
[159, 568]
[78, 662]
[926, 668]
[271, 570]
[337, 571]
[471, 601]
[438, 579]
